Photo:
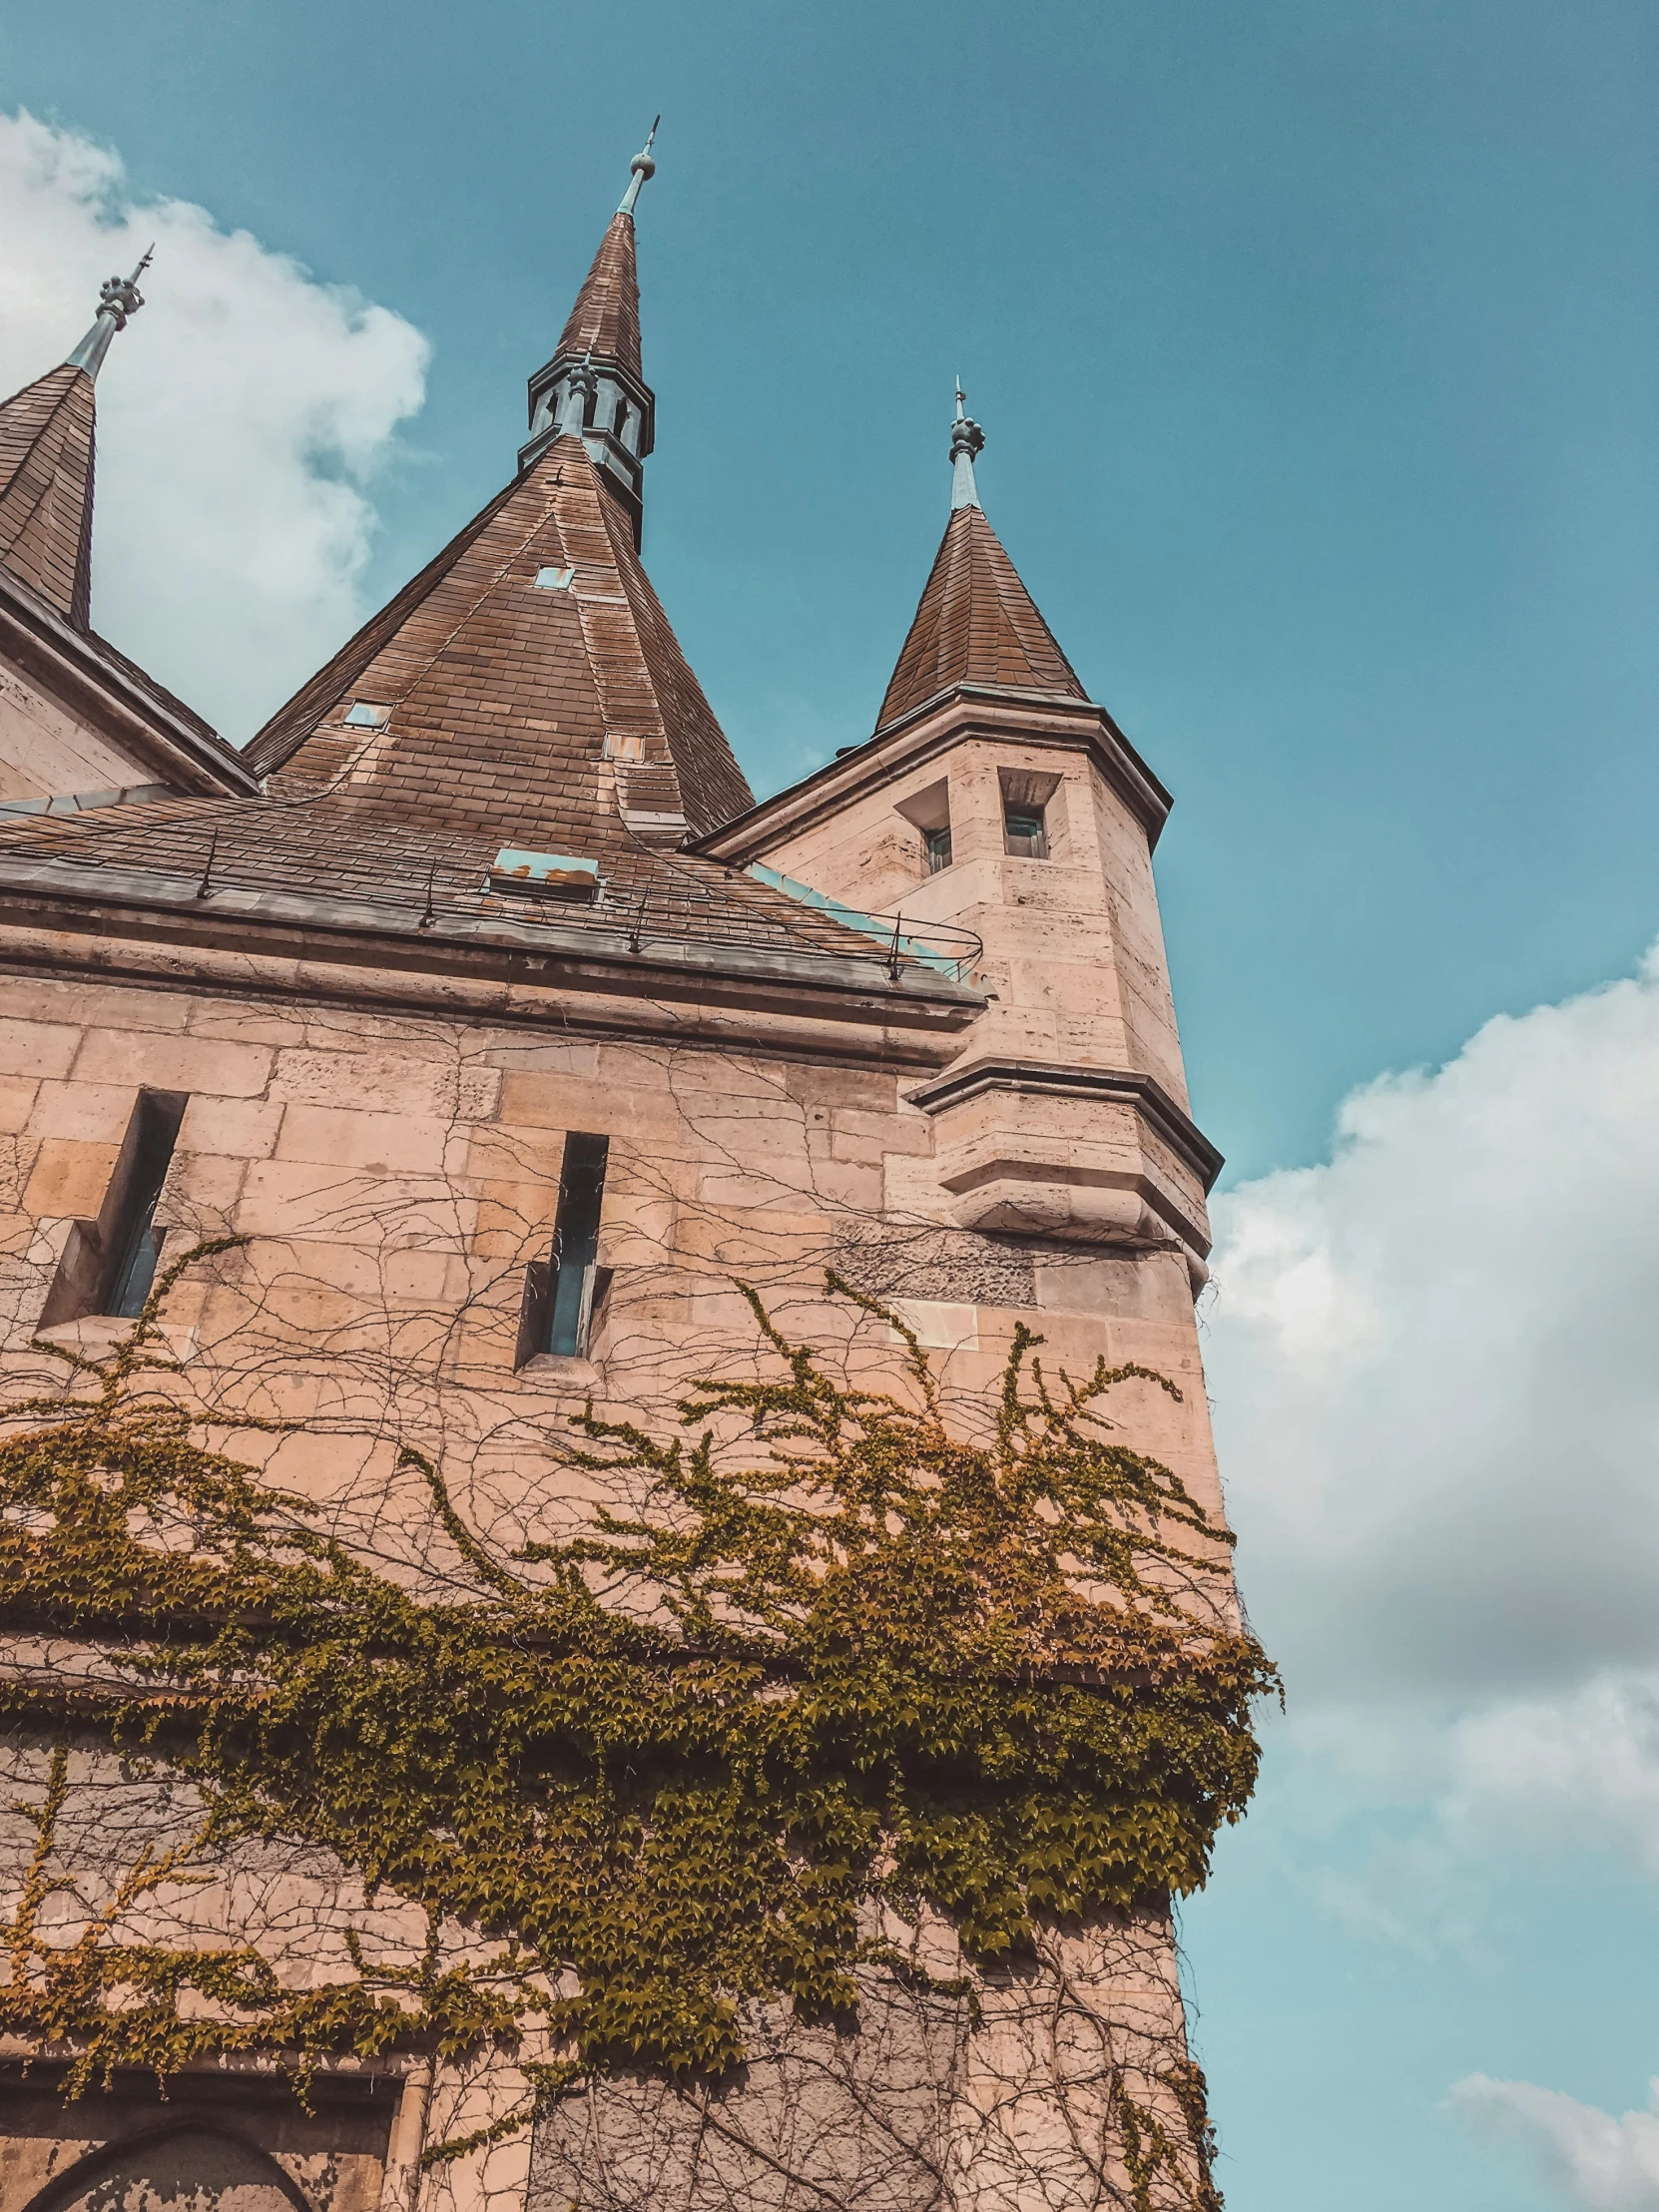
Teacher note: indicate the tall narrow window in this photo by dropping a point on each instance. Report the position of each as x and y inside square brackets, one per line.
[1025, 832]
[938, 848]
[559, 1293]
[135, 1244]
[109, 1265]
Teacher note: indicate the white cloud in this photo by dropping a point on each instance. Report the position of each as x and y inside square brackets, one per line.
[242, 416]
[1435, 1366]
[1591, 2158]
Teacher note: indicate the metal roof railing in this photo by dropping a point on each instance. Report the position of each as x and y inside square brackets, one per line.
[952, 951]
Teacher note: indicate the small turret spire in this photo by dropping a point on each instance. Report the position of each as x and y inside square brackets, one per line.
[966, 440]
[118, 298]
[644, 168]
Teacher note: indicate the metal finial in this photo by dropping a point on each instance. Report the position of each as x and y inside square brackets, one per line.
[966, 442]
[643, 168]
[118, 299]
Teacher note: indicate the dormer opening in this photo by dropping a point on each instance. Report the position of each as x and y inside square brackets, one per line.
[1030, 813]
[930, 812]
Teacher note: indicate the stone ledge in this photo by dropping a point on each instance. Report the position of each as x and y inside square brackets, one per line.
[1123, 1085]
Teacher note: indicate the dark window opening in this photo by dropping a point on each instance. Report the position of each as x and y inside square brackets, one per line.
[1024, 833]
[109, 1265]
[938, 848]
[136, 1244]
[562, 1293]
[620, 422]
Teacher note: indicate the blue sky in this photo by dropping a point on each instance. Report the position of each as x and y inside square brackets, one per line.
[1314, 346]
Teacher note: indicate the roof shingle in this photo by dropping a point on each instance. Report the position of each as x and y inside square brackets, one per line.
[977, 624]
[605, 322]
[46, 469]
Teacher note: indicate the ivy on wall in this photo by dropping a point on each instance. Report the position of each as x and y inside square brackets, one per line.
[834, 1655]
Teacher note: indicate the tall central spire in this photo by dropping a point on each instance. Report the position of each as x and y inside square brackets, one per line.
[594, 387]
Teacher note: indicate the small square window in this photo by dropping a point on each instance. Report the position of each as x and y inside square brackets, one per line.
[554, 579]
[939, 849]
[362, 714]
[1024, 833]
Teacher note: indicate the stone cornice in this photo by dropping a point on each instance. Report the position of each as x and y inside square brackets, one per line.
[1126, 1086]
[1038, 719]
[486, 967]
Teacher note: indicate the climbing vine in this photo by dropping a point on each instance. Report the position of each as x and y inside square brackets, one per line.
[825, 1657]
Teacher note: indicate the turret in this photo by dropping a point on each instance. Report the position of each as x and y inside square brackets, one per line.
[996, 796]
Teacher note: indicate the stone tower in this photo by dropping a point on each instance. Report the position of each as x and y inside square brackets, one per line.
[405, 1112]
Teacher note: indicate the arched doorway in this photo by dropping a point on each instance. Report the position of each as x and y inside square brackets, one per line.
[189, 2168]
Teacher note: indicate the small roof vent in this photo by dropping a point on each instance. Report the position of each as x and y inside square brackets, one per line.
[363, 714]
[545, 874]
[554, 579]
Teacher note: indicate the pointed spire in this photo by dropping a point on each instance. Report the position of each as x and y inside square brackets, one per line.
[967, 441]
[644, 168]
[597, 362]
[977, 624]
[119, 299]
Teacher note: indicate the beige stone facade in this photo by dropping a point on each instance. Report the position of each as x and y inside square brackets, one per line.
[372, 1084]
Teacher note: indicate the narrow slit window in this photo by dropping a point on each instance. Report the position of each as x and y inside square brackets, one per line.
[938, 848]
[109, 1265]
[575, 1263]
[1025, 832]
[134, 1242]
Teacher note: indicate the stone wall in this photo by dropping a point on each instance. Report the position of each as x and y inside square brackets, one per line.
[396, 1174]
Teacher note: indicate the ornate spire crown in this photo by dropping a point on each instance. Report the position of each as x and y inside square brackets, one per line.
[118, 298]
[967, 441]
[644, 168]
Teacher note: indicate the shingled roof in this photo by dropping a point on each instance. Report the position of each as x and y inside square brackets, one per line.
[558, 711]
[977, 624]
[46, 469]
[605, 322]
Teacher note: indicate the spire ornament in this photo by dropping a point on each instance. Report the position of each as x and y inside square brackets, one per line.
[581, 390]
[119, 297]
[967, 441]
[644, 168]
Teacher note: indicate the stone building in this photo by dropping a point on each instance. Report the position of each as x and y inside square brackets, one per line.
[498, 1034]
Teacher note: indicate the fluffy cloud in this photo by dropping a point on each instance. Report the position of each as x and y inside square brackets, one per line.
[242, 418]
[1434, 1359]
[1437, 1396]
[1587, 2156]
